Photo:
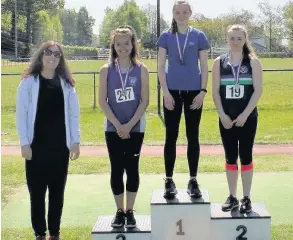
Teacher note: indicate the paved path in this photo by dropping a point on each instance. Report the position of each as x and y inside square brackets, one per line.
[157, 150]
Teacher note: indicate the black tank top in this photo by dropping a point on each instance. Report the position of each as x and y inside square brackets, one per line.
[235, 99]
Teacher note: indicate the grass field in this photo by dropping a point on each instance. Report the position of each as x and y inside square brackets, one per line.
[275, 107]
[84, 202]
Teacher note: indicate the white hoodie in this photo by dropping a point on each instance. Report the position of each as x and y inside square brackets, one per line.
[26, 109]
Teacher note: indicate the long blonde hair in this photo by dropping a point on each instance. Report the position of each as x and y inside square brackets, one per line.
[36, 65]
[248, 50]
[124, 30]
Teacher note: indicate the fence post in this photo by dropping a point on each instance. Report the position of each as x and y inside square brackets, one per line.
[158, 35]
[159, 94]
[95, 103]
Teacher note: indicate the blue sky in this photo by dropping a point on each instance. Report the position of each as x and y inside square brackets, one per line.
[210, 8]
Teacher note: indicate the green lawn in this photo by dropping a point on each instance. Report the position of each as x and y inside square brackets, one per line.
[84, 202]
[275, 107]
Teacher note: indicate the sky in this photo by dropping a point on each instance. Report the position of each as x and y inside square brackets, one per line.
[209, 8]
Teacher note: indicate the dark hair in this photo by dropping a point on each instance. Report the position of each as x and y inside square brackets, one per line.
[174, 27]
[124, 30]
[36, 65]
[248, 50]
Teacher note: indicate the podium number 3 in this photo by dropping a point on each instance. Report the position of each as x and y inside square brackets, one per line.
[121, 236]
[179, 224]
[244, 231]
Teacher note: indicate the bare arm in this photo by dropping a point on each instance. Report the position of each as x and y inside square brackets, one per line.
[216, 86]
[216, 82]
[144, 102]
[169, 102]
[161, 69]
[103, 97]
[257, 81]
[203, 60]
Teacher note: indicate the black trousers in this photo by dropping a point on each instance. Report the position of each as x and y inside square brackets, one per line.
[124, 155]
[172, 122]
[46, 171]
[239, 140]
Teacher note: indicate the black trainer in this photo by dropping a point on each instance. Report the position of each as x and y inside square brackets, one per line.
[119, 220]
[170, 189]
[130, 220]
[245, 205]
[230, 204]
[193, 189]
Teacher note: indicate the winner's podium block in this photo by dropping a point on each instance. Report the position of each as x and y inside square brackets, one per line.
[103, 230]
[255, 225]
[180, 218]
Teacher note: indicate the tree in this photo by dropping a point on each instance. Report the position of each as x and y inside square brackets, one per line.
[150, 38]
[85, 25]
[274, 25]
[48, 28]
[127, 14]
[214, 28]
[69, 22]
[106, 27]
[246, 18]
[288, 16]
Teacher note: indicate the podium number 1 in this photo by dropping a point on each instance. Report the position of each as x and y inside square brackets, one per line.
[179, 223]
[244, 231]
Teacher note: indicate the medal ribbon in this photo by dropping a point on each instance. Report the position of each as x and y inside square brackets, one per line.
[236, 75]
[123, 84]
[181, 55]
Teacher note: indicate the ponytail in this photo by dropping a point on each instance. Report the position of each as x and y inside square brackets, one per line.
[248, 50]
[174, 26]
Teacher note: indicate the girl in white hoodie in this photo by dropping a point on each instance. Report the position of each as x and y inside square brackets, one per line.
[47, 114]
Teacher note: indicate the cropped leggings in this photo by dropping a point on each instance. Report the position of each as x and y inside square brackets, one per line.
[239, 141]
[124, 155]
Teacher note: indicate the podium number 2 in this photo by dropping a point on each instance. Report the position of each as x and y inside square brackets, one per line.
[121, 236]
[179, 223]
[244, 231]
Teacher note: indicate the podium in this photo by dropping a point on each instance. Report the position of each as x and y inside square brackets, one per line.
[103, 230]
[184, 218]
[255, 225]
[180, 218]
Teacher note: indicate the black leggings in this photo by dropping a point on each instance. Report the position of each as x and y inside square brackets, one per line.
[124, 155]
[239, 140]
[172, 122]
[44, 172]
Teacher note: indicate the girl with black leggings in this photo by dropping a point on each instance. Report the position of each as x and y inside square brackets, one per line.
[237, 87]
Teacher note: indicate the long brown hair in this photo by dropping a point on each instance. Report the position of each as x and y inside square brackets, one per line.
[124, 30]
[174, 26]
[248, 50]
[36, 65]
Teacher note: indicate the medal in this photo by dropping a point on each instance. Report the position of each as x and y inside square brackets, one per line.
[123, 93]
[181, 54]
[123, 83]
[236, 75]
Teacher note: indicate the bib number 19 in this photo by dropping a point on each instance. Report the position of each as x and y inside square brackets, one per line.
[233, 92]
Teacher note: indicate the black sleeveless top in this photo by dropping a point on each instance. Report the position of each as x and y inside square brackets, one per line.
[235, 99]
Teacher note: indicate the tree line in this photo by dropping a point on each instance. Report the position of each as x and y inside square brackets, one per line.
[43, 20]
[39, 21]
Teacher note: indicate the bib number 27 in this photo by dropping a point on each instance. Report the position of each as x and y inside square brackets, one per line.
[124, 96]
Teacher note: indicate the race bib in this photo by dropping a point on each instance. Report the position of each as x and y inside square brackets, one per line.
[124, 96]
[233, 92]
